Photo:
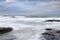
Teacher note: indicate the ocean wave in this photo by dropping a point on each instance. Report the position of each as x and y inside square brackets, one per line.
[27, 28]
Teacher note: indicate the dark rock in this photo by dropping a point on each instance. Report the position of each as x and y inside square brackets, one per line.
[53, 20]
[5, 29]
[47, 34]
[48, 29]
[51, 35]
[58, 31]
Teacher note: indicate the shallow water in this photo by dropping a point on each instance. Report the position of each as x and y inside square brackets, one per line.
[26, 28]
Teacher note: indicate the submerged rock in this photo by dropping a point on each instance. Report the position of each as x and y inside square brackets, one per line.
[48, 34]
[53, 20]
[12, 16]
[51, 35]
[58, 31]
[5, 29]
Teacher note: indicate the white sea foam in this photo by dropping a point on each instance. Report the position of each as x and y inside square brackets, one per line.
[27, 28]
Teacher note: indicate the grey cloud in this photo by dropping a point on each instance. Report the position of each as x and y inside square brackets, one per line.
[38, 0]
[28, 9]
[2, 0]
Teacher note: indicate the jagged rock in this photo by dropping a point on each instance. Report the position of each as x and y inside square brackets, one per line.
[53, 20]
[5, 29]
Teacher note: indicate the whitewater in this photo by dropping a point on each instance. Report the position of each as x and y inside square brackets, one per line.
[26, 28]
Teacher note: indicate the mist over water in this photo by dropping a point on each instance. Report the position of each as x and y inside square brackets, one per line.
[26, 28]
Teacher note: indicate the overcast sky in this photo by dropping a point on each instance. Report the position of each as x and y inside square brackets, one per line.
[30, 7]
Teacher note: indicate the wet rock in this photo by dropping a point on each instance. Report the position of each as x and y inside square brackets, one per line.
[48, 29]
[5, 29]
[53, 20]
[58, 31]
[54, 35]
[48, 34]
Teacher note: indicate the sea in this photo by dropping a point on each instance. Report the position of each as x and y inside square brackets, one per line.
[26, 28]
